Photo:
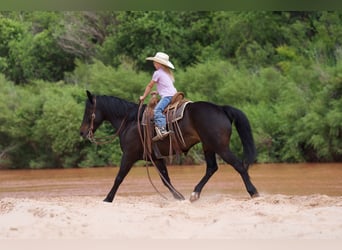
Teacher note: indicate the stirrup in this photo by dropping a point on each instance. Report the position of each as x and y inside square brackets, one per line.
[161, 134]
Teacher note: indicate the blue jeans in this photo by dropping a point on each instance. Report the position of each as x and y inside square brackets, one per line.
[159, 117]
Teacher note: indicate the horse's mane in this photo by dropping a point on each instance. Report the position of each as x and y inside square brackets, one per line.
[117, 107]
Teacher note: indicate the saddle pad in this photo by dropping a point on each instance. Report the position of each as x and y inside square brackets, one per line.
[176, 114]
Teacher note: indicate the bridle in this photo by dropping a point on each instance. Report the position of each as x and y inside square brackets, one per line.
[90, 134]
[102, 140]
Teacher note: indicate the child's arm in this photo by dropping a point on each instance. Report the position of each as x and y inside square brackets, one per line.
[147, 90]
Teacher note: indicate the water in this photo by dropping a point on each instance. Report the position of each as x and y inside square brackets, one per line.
[287, 179]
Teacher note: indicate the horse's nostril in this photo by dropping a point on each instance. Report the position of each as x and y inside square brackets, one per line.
[81, 133]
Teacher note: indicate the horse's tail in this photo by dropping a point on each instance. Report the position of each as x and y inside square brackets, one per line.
[243, 127]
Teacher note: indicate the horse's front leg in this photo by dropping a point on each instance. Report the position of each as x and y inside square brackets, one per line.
[125, 167]
[164, 175]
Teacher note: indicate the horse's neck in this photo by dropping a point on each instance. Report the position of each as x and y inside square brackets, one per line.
[116, 110]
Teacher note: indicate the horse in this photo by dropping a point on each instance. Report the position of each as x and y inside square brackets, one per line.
[202, 121]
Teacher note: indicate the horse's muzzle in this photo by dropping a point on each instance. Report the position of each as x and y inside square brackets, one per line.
[84, 133]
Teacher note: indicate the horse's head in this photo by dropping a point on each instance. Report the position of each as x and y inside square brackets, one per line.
[92, 118]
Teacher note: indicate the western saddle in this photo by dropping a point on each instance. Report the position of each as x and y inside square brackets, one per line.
[173, 112]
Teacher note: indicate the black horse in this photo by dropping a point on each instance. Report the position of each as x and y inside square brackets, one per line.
[202, 122]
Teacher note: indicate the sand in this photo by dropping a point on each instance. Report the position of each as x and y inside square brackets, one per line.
[215, 216]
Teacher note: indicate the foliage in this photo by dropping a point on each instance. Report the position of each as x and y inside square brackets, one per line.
[140, 34]
[43, 123]
[282, 69]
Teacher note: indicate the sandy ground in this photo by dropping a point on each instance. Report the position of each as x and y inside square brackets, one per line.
[152, 217]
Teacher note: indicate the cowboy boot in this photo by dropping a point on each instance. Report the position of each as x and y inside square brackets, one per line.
[161, 133]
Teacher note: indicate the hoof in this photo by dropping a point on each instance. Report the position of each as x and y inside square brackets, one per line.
[178, 196]
[181, 198]
[256, 195]
[194, 196]
[107, 200]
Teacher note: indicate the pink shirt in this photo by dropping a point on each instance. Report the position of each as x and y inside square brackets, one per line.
[164, 82]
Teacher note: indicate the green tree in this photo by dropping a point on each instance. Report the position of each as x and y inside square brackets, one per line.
[38, 57]
[140, 34]
[10, 31]
[326, 44]
[33, 51]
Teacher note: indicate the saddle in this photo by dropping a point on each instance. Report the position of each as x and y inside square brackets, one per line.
[173, 112]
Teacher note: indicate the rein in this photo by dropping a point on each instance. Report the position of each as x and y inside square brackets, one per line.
[149, 157]
[101, 140]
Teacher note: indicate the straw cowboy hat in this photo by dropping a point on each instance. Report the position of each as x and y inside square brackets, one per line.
[161, 58]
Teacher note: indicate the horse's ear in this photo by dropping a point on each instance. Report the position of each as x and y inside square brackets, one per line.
[90, 97]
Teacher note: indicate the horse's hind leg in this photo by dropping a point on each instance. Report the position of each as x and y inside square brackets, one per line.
[242, 169]
[212, 167]
[160, 164]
